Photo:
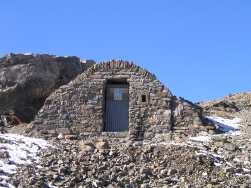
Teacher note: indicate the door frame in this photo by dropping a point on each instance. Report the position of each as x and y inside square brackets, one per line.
[121, 81]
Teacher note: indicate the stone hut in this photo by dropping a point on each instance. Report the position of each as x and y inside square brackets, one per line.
[118, 98]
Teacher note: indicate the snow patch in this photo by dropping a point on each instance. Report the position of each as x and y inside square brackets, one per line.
[230, 164]
[51, 186]
[246, 162]
[217, 164]
[178, 144]
[201, 139]
[236, 160]
[226, 125]
[245, 170]
[60, 136]
[20, 150]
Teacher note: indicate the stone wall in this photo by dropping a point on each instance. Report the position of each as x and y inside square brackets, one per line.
[79, 107]
[187, 118]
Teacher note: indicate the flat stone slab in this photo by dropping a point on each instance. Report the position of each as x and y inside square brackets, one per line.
[64, 131]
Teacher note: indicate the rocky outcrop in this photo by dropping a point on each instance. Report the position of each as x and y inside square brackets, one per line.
[27, 80]
[228, 105]
[231, 106]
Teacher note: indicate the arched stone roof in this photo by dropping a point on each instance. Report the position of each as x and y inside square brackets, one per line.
[119, 64]
[80, 106]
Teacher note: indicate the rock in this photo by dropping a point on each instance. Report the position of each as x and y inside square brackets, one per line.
[60, 162]
[88, 180]
[102, 144]
[144, 186]
[62, 170]
[71, 137]
[229, 169]
[172, 171]
[4, 154]
[229, 147]
[86, 147]
[189, 133]
[2, 130]
[64, 131]
[26, 81]
[147, 148]
[145, 170]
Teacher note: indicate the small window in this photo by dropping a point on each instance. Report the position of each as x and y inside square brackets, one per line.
[143, 98]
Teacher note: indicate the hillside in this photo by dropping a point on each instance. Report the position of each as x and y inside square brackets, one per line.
[232, 106]
[171, 142]
[173, 160]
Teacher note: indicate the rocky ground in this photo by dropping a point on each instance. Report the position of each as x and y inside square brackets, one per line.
[171, 160]
[231, 106]
[219, 161]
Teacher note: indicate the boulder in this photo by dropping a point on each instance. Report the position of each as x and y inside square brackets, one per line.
[102, 144]
[27, 80]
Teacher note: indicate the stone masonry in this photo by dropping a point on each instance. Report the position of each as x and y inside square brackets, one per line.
[79, 107]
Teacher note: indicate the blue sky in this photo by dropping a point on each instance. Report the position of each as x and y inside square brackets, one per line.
[200, 50]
